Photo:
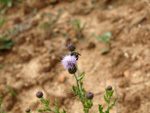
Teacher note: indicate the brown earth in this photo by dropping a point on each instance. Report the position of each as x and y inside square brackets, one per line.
[33, 63]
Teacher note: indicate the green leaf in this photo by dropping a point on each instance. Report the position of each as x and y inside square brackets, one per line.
[40, 110]
[106, 100]
[81, 76]
[64, 111]
[47, 102]
[100, 109]
[108, 34]
[3, 11]
[1, 65]
[2, 21]
[104, 38]
[11, 91]
[56, 107]
[85, 106]
[113, 103]
[9, 4]
[74, 89]
[105, 51]
[83, 26]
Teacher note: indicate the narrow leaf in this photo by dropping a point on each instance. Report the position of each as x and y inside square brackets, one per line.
[100, 109]
[82, 75]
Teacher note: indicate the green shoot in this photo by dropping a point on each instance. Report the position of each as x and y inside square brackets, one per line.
[11, 91]
[2, 21]
[78, 28]
[105, 38]
[5, 43]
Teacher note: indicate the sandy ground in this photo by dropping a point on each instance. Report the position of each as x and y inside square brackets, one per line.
[34, 62]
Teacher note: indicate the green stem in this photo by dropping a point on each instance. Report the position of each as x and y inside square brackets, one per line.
[80, 87]
[86, 110]
[48, 108]
[79, 80]
[108, 104]
[76, 81]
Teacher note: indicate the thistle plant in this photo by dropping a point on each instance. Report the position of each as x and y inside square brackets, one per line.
[105, 38]
[86, 98]
[107, 98]
[78, 28]
[70, 63]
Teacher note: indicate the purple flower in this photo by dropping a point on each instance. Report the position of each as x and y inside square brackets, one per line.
[69, 61]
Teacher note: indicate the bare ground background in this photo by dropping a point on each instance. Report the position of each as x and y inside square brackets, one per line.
[33, 63]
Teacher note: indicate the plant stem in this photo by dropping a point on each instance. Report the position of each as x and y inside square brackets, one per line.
[80, 87]
[86, 110]
[79, 80]
[76, 81]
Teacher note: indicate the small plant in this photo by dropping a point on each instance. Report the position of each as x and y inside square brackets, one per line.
[70, 63]
[5, 42]
[107, 98]
[1, 111]
[46, 103]
[105, 38]
[78, 28]
[11, 91]
[51, 24]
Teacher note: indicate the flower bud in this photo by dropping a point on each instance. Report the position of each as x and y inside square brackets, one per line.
[71, 47]
[27, 110]
[72, 70]
[109, 88]
[89, 95]
[39, 94]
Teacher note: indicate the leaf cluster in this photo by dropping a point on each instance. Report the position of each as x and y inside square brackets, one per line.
[47, 108]
[5, 43]
[80, 92]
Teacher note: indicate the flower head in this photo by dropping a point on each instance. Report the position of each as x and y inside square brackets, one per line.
[39, 94]
[69, 62]
[71, 47]
[109, 88]
[27, 110]
[89, 95]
